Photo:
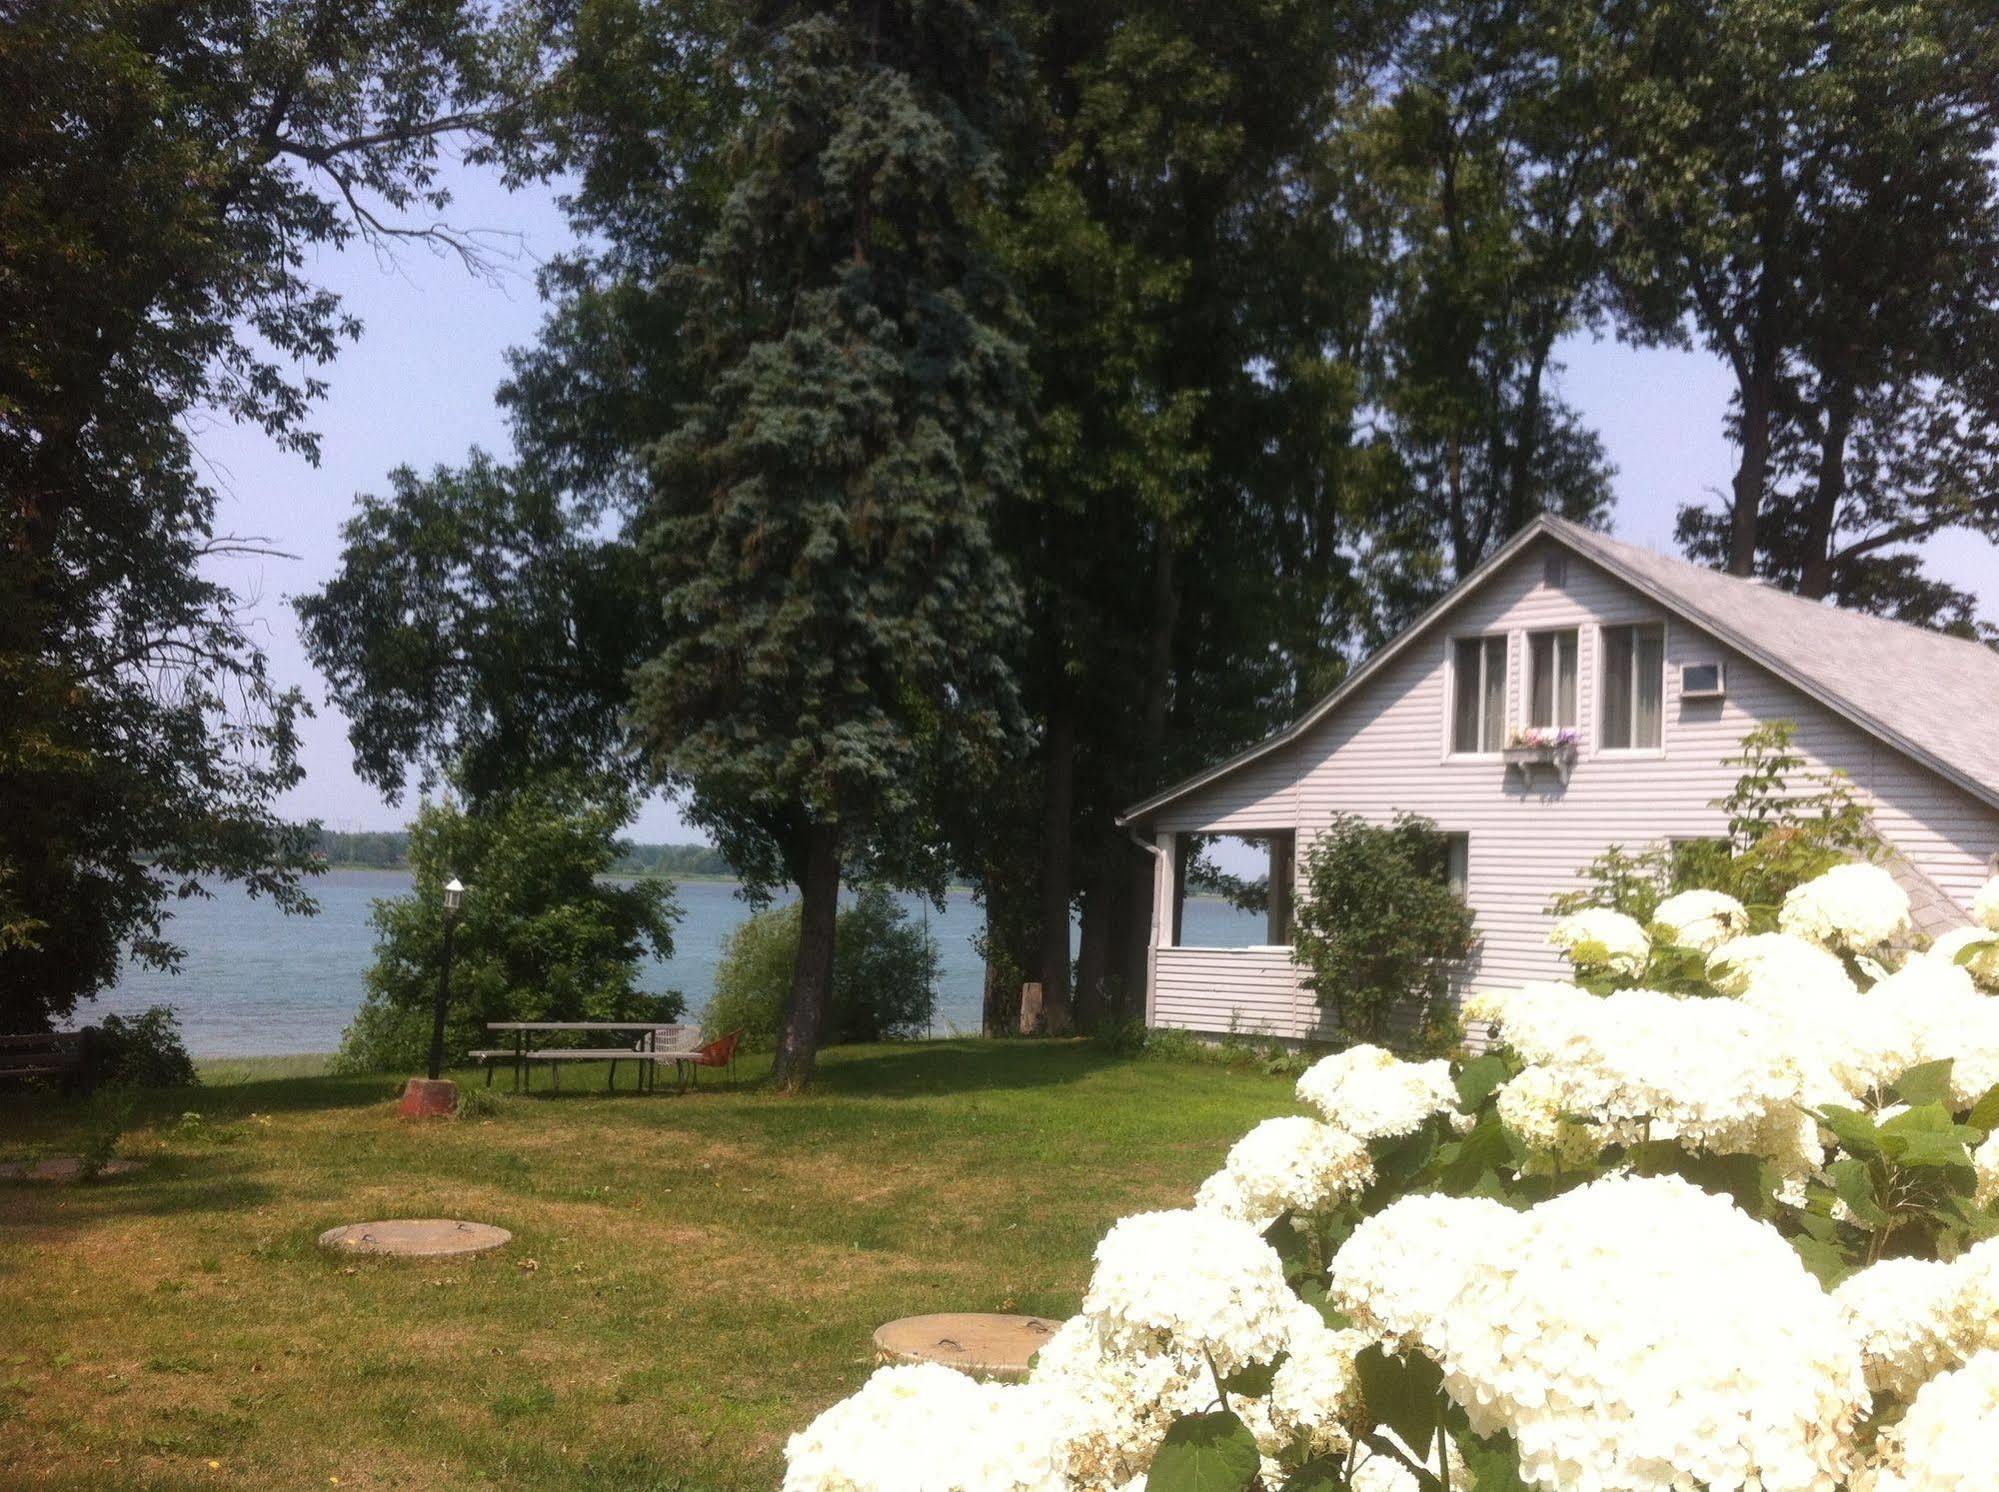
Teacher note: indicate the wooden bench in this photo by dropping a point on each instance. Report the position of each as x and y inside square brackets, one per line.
[653, 1043]
[65, 1056]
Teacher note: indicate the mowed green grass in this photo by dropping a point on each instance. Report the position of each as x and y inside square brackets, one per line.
[691, 1279]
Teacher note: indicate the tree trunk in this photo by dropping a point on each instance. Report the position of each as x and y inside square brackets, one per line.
[812, 975]
[1059, 798]
[1816, 577]
[1751, 474]
[1135, 946]
[1093, 952]
[1009, 946]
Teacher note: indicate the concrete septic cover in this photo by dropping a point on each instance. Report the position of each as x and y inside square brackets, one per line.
[415, 1238]
[60, 1168]
[972, 1341]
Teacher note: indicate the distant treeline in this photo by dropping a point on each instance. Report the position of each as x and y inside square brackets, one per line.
[389, 850]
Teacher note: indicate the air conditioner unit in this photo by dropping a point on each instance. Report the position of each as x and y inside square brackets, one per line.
[1702, 681]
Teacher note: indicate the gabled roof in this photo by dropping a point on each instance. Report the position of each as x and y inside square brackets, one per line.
[1934, 698]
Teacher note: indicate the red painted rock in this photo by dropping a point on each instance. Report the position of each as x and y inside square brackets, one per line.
[426, 1098]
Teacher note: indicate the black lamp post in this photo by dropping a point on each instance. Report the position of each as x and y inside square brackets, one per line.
[454, 898]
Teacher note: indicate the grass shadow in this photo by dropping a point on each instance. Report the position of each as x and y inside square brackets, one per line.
[929, 1069]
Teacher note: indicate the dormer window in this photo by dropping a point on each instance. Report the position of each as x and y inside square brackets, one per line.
[1478, 695]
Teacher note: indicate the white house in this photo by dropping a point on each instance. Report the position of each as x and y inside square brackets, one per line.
[1660, 667]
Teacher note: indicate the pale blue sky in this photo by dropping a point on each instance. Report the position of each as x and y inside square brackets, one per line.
[418, 389]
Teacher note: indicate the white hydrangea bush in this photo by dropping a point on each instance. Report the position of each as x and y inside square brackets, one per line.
[1735, 1234]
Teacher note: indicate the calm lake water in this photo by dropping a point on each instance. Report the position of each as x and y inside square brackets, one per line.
[258, 983]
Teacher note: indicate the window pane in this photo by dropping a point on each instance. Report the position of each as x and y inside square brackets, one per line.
[1457, 865]
[1616, 687]
[1465, 685]
[1565, 679]
[1649, 681]
[1494, 731]
[1541, 675]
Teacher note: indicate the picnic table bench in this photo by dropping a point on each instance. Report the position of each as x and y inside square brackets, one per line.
[652, 1045]
[50, 1054]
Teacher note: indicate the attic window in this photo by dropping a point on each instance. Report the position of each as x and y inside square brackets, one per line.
[1555, 568]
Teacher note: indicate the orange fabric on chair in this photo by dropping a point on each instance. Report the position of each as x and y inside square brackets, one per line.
[719, 1052]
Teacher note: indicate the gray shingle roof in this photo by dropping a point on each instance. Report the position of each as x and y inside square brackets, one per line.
[1935, 697]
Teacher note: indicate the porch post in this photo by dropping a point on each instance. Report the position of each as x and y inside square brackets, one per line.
[1165, 891]
[1277, 919]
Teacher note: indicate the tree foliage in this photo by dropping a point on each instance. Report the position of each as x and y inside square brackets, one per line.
[542, 934]
[884, 975]
[169, 172]
[1381, 932]
[1817, 200]
[1788, 822]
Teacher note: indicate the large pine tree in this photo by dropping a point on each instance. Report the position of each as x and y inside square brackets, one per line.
[839, 625]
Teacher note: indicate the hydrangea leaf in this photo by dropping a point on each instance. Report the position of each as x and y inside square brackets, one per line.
[1853, 1129]
[1927, 1083]
[1327, 1474]
[1253, 1381]
[1479, 1078]
[1494, 1464]
[1402, 1393]
[1205, 1453]
[1985, 1113]
[1853, 1180]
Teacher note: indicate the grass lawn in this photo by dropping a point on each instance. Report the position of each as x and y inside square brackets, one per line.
[692, 1278]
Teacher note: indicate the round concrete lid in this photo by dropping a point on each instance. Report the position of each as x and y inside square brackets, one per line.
[972, 1341]
[415, 1237]
[60, 1168]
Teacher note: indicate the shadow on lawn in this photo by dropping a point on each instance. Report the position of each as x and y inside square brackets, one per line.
[174, 1185]
[929, 1069]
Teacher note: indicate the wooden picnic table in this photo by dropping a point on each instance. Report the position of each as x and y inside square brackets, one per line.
[646, 1051]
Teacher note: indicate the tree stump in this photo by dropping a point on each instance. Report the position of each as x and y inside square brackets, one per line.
[429, 1098]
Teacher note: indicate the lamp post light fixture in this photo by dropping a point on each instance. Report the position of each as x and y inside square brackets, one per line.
[454, 898]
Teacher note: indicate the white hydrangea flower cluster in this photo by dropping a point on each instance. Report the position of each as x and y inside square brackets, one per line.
[1372, 1094]
[1983, 962]
[1712, 1075]
[1635, 1333]
[1701, 919]
[1985, 905]
[1855, 909]
[1933, 1010]
[1191, 1281]
[1290, 1164]
[924, 1428]
[1775, 961]
[1915, 1318]
[1598, 938]
[1315, 1393]
[1118, 1405]
[1946, 1440]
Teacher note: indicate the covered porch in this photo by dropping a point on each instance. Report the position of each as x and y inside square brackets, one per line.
[1223, 988]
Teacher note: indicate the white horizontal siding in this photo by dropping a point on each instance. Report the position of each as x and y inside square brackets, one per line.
[1383, 750]
[1253, 991]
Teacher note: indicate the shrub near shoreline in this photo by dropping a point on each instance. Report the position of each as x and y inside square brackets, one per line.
[1736, 1236]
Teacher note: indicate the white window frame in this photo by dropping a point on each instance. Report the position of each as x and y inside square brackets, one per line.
[1451, 753]
[1527, 679]
[1599, 654]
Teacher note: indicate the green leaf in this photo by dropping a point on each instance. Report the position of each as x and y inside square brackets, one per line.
[1463, 1164]
[1985, 1113]
[1399, 1161]
[1975, 949]
[1314, 1294]
[1480, 1077]
[1205, 1453]
[1494, 1464]
[1853, 1180]
[1253, 1381]
[1926, 1083]
[1824, 1260]
[1293, 1246]
[1853, 1129]
[1401, 1393]
[1327, 1474]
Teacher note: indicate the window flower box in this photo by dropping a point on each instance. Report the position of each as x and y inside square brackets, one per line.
[1529, 750]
